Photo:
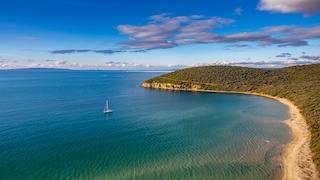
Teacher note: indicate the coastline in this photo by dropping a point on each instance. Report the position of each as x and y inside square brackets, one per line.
[296, 159]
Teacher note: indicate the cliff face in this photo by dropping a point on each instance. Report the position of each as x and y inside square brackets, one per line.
[170, 86]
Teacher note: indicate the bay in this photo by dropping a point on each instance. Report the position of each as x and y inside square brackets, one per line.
[52, 126]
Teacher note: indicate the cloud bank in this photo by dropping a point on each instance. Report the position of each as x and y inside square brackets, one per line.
[284, 55]
[70, 51]
[163, 32]
[306, 7]
[315, 58]
[302, 60]
[262, 64]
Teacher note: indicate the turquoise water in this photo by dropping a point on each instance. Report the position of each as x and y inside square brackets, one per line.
[52, 126]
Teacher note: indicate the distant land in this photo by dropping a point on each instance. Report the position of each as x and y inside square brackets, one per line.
[38, 69]
[299, 84]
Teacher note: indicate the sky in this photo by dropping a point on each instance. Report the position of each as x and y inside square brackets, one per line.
[158, 34]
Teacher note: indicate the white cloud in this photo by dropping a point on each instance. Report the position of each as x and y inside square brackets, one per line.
[238, 11]
[60, 63]
[167, 32]
[238, 45]
[306, 7]
[284, 55]
[246, 36]
[133, 66]
[261, 64]
[315, 58]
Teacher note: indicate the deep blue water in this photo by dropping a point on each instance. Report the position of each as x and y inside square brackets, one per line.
[52, 126]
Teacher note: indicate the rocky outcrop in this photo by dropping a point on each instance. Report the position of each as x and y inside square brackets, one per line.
[169, 86]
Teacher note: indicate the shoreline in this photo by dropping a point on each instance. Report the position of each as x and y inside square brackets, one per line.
[296, 160]
[297, 157]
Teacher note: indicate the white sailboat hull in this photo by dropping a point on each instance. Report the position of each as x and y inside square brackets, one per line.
[108, 111]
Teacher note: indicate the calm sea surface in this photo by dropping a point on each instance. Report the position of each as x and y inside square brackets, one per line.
[52, 126]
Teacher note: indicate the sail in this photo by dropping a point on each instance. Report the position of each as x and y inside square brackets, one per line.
[106, 108]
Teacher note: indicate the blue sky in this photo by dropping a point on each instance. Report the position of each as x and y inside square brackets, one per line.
[158, 34]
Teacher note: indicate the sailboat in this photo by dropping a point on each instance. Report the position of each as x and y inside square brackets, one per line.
[106, 108]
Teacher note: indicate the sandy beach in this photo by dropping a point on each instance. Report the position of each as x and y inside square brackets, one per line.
[297, 161]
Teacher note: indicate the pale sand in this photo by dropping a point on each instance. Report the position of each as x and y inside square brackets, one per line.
[297, 161]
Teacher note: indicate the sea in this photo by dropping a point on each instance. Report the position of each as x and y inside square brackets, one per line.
[52, 126]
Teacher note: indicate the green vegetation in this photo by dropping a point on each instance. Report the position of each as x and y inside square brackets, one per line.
[299, 84]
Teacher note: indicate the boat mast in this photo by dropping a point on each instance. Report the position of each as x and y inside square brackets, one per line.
[106, 108]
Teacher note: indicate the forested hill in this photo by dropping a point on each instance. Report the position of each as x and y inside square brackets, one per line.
[299, 84]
